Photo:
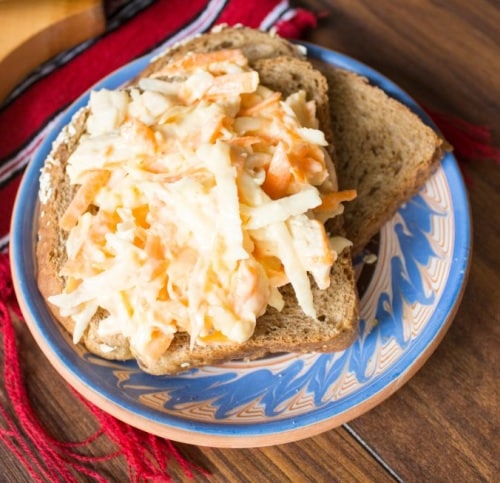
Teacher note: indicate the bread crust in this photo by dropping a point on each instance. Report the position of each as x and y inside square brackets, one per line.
[382, 149]
[50, 252]
[289, 330]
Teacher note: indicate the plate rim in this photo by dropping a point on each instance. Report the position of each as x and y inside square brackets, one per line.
[215, 434]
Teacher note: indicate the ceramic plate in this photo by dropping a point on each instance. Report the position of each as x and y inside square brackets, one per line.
[409, 297]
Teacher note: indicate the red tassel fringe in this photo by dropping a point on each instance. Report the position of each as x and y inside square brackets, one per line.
[469, 141]
[147, 455]
[47, 459]
[296, 23]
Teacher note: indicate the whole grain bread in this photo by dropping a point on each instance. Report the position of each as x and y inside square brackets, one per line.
[289, 330]
[382, 150]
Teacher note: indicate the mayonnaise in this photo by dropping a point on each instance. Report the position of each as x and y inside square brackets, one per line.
[203, 188]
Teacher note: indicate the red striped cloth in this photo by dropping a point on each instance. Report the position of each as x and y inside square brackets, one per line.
[26, 117]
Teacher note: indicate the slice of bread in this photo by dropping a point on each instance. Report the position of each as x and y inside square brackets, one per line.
[336, 325]
[382, 150]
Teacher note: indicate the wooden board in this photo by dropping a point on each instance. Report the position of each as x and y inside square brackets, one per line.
[33, 31]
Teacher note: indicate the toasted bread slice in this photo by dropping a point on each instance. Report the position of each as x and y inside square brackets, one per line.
[336, 325]
[382, 150]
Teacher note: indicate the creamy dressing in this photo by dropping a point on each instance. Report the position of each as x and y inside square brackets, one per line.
[204, 185]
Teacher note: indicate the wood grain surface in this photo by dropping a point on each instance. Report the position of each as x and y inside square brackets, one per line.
[444, 424]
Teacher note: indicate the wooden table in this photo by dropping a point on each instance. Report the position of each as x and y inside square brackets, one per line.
[443, 424]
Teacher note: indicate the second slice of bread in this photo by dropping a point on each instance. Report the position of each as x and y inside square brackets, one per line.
[382, 149]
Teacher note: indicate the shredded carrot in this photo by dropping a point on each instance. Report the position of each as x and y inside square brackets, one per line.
[202, 60]
[244, 140]
[72, 284]
[250, 140]
[263, 104]
[278, 174]
[140, 215]
[83, 197]
[234, 84]
[303, 149]
[213, 129]
[158, 344]
[135, 129]
[153, 246]
[105, 222]
[273, 267]
[210, 132]
[331, 201]
[246, 282]
[215, 336]
[308, 163]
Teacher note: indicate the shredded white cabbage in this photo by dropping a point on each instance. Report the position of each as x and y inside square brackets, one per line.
[204, 188]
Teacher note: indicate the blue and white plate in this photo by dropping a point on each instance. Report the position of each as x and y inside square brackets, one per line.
[406, 307]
